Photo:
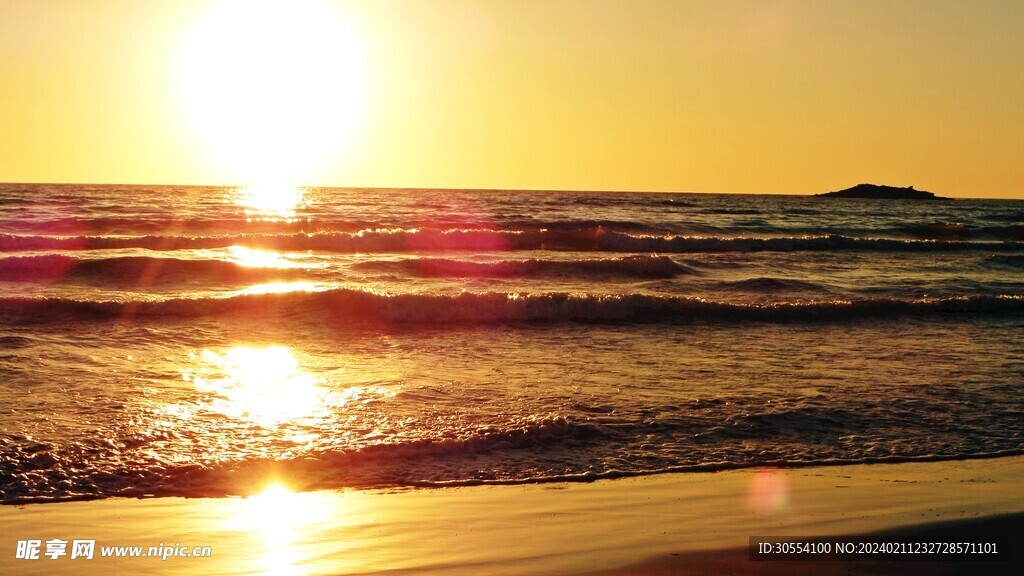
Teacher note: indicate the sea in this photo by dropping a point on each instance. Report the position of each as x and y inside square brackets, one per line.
[205, 341]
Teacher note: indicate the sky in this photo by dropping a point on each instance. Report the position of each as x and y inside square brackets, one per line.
[760, 96]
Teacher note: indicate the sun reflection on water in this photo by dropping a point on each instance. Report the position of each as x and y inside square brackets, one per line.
[282, 519]
[283, 287]
[253, 258]
[265, 202]
[263, 385]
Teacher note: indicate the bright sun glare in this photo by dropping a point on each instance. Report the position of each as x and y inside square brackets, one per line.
[273, 89]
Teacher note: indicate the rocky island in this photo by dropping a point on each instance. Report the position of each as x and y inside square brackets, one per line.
[876, 191]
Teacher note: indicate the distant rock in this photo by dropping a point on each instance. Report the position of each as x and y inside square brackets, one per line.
[875, 191]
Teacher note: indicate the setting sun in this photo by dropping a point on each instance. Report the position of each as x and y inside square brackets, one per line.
[272, 89]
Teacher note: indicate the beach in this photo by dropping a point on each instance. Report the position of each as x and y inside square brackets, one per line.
[670, 523]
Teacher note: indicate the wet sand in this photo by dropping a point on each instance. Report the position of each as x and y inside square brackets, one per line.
[667, 524]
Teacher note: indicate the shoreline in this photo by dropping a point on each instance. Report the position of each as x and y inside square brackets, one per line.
[585, 478]
[663, 524]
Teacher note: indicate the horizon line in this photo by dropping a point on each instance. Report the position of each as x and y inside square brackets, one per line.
[465, 189]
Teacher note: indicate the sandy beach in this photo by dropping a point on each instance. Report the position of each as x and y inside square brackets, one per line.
[674, 523]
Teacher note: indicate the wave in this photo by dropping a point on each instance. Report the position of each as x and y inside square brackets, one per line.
[729, 210]
[706, 467]
[348, 305]
[131, 269]
[938, 231]
[959, 231]
[616, 200]
[247, 477]
[373, 464]
[39, 472]
[1003, 217]
[671, 202]
[1009, 232]
[1008, 260]
[630, 266]
[575, 225]
[133, 224]
[768, 284]
[427, 240]
[15, 342]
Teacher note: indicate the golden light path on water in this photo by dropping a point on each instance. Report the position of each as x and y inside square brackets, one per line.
[253, 258]
[283, 287]
[290, 396]
[274, 387]
[263, 385]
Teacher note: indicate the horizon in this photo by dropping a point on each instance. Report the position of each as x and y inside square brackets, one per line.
[498, 190]
[782, 97]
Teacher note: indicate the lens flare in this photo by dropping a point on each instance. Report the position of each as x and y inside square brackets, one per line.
[768, 493]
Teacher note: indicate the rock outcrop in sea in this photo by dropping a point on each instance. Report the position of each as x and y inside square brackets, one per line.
[876, 191]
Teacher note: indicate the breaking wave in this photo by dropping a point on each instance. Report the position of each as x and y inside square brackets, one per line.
[630, 266]
[349, 305]
[55, 267]
[426, 240]
[771, 285]
[38, 472]
[959, 231]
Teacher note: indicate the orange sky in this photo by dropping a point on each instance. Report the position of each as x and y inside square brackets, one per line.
[794, 96]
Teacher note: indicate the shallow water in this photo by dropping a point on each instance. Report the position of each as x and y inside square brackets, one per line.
[198, 341]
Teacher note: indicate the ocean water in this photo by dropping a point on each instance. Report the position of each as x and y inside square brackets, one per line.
[205, 341]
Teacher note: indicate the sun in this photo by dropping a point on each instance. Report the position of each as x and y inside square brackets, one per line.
[272, 89]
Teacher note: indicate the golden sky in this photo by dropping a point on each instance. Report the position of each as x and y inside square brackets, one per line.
[793, 96]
